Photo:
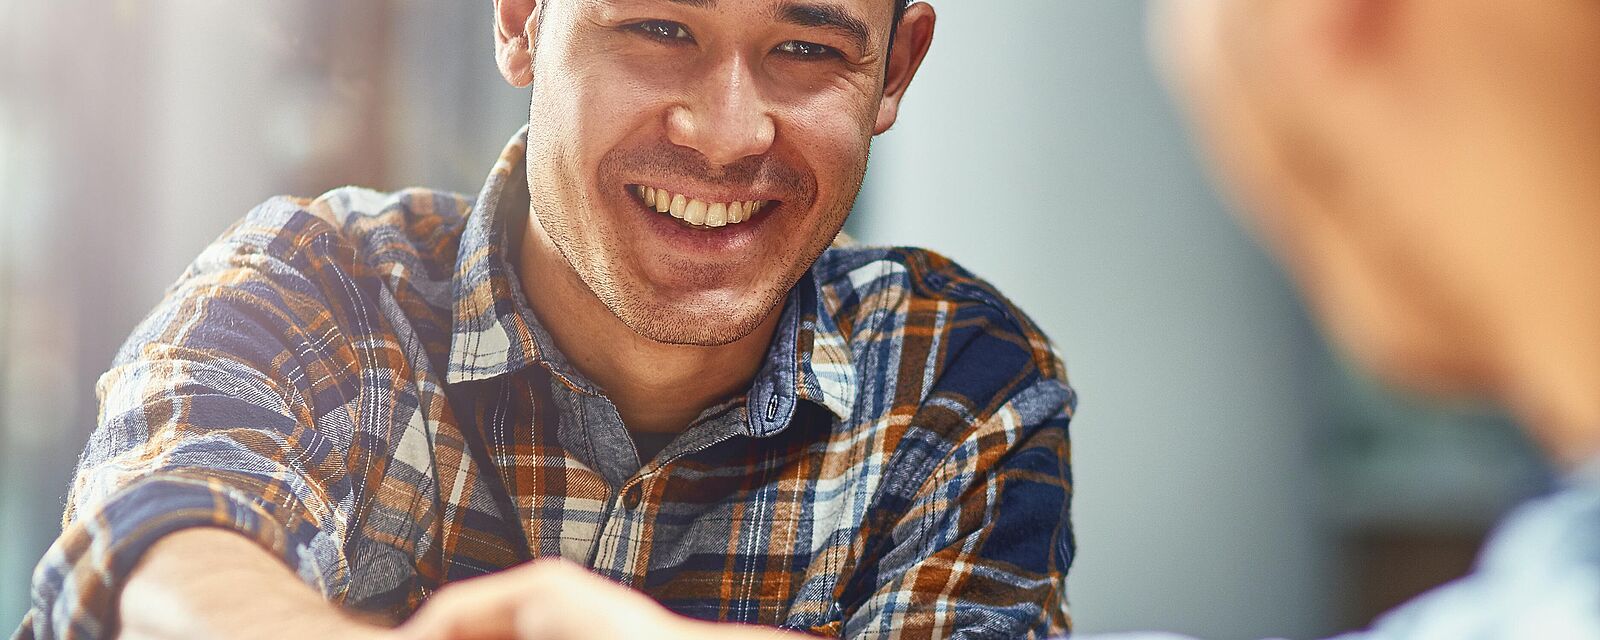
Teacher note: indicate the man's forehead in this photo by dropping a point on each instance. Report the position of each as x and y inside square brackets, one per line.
[857, 5]
[852, 18]
[864, 10]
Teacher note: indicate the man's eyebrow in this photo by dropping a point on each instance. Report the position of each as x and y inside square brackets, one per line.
[823, 15]
[698, 4]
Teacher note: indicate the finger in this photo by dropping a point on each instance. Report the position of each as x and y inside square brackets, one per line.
[481, 608]
[485, 607]
[534, 622]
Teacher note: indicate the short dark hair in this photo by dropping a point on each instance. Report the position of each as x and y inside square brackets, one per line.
[899, 10]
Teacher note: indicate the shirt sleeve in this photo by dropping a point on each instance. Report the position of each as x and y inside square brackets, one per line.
[984, 547]
[206, 420]
[1538, 576]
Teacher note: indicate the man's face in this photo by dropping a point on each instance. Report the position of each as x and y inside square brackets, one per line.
[1407, 160]
[748, 121]
[1224, 56]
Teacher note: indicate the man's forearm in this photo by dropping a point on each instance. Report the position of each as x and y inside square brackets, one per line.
[211, 583]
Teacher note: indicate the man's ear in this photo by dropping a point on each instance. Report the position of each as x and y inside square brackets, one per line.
[1337, 36]
[912, 38]
[516, 26]
[1364, 27]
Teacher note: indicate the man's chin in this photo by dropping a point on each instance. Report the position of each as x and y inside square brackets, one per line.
[696, 327]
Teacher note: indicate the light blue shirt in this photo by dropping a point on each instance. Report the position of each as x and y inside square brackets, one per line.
[1538, 578]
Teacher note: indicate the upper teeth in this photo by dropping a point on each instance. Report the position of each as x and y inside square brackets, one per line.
[696, 212]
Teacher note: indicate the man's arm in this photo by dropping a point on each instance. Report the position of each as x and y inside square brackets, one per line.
[211, 583]
[213, 415]
[984, 546]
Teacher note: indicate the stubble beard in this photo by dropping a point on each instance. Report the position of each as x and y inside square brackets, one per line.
[605, 275]
[706, 325]
[668, 322]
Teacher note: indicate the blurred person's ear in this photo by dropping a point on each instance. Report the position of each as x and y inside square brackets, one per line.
[516, 26]
[913, 36]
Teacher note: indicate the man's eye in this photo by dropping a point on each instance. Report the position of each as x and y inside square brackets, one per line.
[663, 30]
[802, 49]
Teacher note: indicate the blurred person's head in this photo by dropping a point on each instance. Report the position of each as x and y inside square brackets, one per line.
[690, 159]
[1429, 171]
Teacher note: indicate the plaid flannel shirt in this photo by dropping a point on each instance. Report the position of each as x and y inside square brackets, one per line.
[357, 384]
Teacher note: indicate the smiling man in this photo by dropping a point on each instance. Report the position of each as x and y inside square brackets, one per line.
[634, 388]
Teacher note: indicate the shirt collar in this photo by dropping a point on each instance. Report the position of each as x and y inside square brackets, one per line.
[494, 330]
[808, 359]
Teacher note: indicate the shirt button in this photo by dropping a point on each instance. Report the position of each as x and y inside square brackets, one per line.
[630, 498]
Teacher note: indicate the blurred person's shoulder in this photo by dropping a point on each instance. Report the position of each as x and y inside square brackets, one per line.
[920, 300]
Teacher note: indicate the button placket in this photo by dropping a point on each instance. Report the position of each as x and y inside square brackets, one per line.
[617, 539]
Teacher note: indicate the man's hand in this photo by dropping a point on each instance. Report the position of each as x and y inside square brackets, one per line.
[552, 599]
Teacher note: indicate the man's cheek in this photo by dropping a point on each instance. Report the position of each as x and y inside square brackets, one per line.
[834, 143]
[606, 109]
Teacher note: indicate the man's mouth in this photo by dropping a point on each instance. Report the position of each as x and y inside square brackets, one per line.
[697, 213]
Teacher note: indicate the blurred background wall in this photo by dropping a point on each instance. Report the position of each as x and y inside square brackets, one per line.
[1233, 480]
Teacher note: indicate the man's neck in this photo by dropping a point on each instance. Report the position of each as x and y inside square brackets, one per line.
[656, 386]
[1548, 338]
[1553, 386]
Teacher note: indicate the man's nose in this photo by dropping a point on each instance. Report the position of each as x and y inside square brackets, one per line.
[724, 117]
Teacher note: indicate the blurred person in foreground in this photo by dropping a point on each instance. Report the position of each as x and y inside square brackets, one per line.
[1429, 172]
[635, 351]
